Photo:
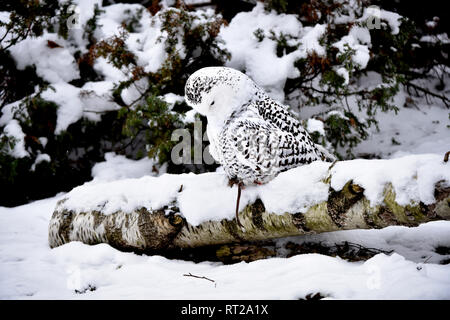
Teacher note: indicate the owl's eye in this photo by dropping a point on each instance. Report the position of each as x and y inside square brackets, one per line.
[212, 103]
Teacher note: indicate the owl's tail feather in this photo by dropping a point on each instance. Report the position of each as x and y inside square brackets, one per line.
[326, 155]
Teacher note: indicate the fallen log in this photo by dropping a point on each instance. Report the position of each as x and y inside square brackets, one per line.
[144, 229]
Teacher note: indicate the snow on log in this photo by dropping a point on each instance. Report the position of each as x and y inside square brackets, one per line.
[188, 210]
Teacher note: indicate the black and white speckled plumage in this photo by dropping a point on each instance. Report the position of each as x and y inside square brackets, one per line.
[252, 136]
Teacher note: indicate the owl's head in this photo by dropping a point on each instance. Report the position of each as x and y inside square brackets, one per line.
[216, 92]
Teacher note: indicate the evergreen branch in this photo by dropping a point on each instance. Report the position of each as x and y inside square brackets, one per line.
[430, 93]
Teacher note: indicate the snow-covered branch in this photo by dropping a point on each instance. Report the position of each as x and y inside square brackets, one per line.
[181, 211]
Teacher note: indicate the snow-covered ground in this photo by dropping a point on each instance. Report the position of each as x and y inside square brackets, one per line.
[29, 269]
[414, 129]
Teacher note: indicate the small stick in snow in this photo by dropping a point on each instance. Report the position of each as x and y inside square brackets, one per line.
[420, 265]
[447, 154]
[361, 248]
[198, 277]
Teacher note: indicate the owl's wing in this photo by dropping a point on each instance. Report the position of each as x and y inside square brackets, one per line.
[279, 115]
[266, 148]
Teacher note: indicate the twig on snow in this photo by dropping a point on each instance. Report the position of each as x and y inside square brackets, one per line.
[198, 277]
[447, 154]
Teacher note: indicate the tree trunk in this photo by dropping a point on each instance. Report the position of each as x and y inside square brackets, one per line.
[146, 231]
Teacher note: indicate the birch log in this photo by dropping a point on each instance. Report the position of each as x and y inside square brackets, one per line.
[142, 230]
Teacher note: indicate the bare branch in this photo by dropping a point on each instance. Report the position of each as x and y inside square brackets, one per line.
[429, 93]
[198, 277]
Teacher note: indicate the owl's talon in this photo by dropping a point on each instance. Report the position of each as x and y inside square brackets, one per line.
[232, 182]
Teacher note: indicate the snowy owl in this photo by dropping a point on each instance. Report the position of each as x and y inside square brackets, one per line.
[251, 135]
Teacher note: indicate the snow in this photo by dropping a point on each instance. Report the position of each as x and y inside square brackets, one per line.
[416, 244]
[153, 53]
[31, 270]
[336, 113]
[203, 197]
[442, 38]
[52, 64]
[310, 40]
[207, 196]
[413, 177]
[14, 130]
[83, 10]
[40, 158]
[417, 129]
[314, 125]
[134, 92]
[147, 43]
[9, 112]
[144, 42]
[4, 18]
[248, 54]
[108, 71]
[239, 34]
[96, 98]
[117, 167]
[114, 15]
[306, 188]
[70, 108]
[172, 99]
[344, 74]
[43, 141]
[358, 40]
[393, 19]
[74, 103]
[190, 116]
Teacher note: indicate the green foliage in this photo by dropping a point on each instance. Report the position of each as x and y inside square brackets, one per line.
[24, 81]
[32, 18]
[28, 18]
[345, 131]
[115, 50]
[392, 56]
[199, 39]
[280, 6]
[283, 47]
[72, 153]
[140, 128]
[132, 21]
[143, 127]
[153, 118]
[91, 25]
[259, 34]
[148, 120]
